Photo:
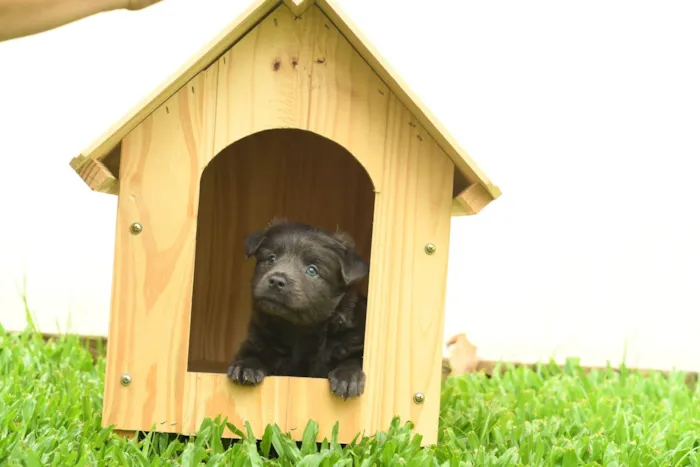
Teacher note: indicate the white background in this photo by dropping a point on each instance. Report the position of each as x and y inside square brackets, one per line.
[586, 115]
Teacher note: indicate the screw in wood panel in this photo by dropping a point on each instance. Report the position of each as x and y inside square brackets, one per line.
[430, 248]
[125, 379]
[136, 228]
[419, 398]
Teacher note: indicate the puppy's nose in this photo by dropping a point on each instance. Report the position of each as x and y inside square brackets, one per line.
[277, 281]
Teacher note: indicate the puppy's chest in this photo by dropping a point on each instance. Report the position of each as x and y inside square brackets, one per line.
[303, 355]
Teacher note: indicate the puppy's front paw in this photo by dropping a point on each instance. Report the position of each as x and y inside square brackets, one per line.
[246, 372]
[347, 382]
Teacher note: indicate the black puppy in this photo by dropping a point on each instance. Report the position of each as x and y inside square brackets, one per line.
[307, 319]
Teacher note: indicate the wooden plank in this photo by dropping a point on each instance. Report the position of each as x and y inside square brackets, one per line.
[407, 288]
[161, 163]
[348, 102]
[261, 83]
[471, 201]
[98, 177]
[447, 142]
[203, 58]
[302, 73]
[298, 7]
[457, 209]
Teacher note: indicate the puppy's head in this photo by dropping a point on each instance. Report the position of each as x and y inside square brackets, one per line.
[302, 272]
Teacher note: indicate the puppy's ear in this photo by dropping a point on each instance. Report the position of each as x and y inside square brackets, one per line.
[352, 267]
[252, 242]
[278, 221]
[345, 239]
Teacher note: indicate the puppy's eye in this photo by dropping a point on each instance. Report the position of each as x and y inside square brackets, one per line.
[271, 259]
[312, 271]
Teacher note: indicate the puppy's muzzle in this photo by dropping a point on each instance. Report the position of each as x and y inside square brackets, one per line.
[277, 281]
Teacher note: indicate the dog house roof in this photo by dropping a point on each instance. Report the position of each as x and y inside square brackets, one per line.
[478, 190]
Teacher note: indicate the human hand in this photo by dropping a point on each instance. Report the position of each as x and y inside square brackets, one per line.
[139, 4]
[23, 18]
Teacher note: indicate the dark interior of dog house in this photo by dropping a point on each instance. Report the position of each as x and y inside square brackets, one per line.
[283, 173]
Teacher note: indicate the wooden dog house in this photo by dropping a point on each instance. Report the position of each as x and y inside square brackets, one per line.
[288, 112]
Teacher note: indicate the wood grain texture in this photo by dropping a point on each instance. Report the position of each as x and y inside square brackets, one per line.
[162, 159]
[404, 340]
[98, 177]
[276, 173]
[471, 201]
[286, 73]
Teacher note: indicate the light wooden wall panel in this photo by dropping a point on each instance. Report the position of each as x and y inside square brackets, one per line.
[302, 74]
[161, 163]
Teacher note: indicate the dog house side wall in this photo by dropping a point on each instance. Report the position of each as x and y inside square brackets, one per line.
[284, 73]
[162, 159]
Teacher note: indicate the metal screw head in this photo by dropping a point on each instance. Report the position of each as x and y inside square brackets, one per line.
[430, 248]
[125, 379]
[136, 228]
[419, 398]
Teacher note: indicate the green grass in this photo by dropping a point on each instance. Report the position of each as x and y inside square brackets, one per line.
[51, 400]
